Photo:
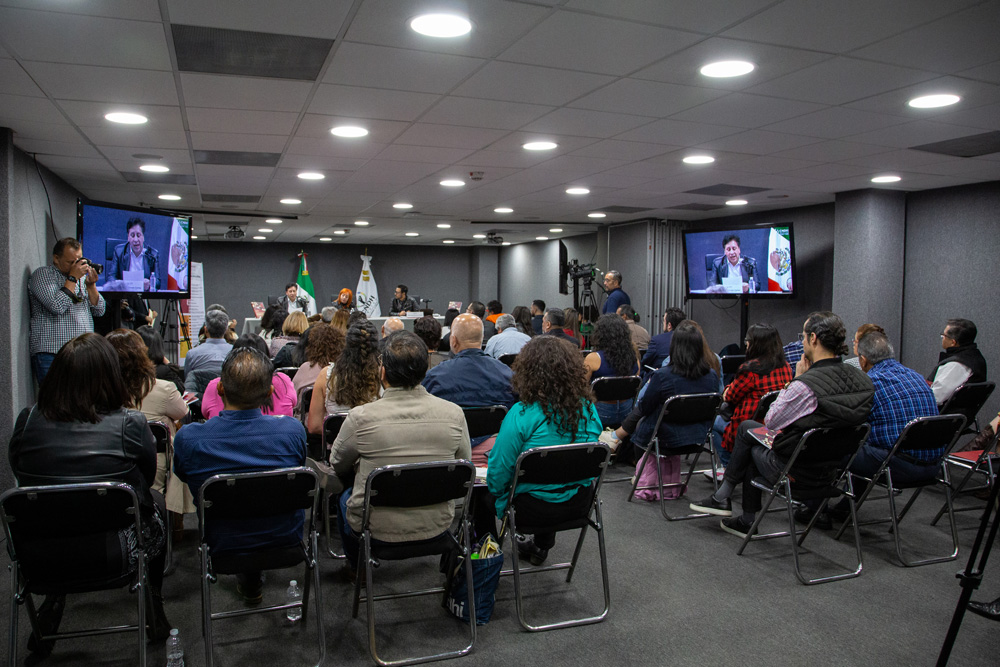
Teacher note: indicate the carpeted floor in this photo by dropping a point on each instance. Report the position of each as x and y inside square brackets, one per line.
[679, 595]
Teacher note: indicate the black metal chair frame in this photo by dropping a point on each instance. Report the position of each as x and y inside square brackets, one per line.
[782, 488]
[766, 401]
[484, 420]
[679, 409]
[984, 464]
[616, 388]
[967, 401]
[560, 464]
[927, 433]
[84, 509]
[290, 371]
[331, 428]
[415, 485]
[732, 362]
[257, 495]
[507, 359]
[161, 434]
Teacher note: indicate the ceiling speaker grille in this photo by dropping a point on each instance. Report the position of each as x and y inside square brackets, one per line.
[171, 179]
[246, 53]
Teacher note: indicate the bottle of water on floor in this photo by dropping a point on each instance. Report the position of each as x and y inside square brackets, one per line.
[294, 595]
[175, 651]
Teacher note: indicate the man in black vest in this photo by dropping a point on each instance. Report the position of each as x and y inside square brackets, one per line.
[825, 393]
[960, 362]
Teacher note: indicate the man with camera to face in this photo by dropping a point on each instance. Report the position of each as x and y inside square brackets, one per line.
[64, 301]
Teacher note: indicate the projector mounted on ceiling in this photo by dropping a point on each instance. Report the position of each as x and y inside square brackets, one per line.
[492, 238]
[235, 232]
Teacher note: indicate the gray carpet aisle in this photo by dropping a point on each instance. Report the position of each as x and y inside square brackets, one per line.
[680, 596]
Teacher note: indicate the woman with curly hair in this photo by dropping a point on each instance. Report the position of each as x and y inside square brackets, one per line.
[282, 400]
[351, 381]
[323, 347]
[522, 320]
[556, 408]
[614, 354]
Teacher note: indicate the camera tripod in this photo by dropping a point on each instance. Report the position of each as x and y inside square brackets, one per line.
[585, 303]
[172, 342]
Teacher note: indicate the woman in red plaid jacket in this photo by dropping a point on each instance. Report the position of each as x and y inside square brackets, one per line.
[765, 370]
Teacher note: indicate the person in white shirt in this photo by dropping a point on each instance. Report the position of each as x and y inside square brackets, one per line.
[508, 341]
[960, 362]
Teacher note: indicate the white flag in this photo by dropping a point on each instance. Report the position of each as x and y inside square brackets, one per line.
[367, 292]
[779, 264]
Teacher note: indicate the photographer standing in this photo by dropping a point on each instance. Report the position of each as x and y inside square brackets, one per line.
[64, 300]
[291, 302]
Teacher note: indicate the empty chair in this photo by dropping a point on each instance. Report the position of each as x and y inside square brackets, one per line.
[967, 401]
[507, 359]
[973, 462]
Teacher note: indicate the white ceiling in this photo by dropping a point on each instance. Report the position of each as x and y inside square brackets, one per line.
[614, 83]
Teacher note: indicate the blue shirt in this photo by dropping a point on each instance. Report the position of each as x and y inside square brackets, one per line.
[238, 441]
[470, 379]
[508, 341]
[616, 298]
[658, 350]
[901, 395]
[207, 356]
[793, 352]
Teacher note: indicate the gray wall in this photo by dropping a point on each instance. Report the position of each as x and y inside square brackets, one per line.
[530, 271]
[872, 223]
[628, 253]
[813, 229]
[951, 236]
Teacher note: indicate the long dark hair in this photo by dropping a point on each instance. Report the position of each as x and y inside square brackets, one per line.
[687, 351]
[522, 318]
[764, 351]
[154, 344]
[354, 379]
[612, 337]
[84, 382]
[138, 371]
[549, 371]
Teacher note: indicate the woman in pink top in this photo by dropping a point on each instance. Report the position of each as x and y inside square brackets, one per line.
[282, 401]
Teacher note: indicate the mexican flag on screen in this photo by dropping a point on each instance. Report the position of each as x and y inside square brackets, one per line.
[305, 284]
[367, 292]
[177, 269]
[779, 265]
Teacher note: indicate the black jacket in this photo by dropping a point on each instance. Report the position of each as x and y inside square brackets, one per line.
[120, 262]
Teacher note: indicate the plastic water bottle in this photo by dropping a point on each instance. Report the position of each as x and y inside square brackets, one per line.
[294, 595]
[175, 651]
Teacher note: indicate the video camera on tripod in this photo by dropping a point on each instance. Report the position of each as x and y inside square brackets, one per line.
[585, 272]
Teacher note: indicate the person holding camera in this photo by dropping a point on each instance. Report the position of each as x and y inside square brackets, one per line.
[64, 301]
[292, 303]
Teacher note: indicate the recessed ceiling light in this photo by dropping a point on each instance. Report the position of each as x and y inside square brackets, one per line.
[452, 183]
[194, 236]
[361, 223]
[154, 168]
[541, 238]
[479, 236]
[340, 232]
[325, 238]
[311, 176]
[265, 230]
[699, 159]
[577, 191]
[126, 118]
[441, 25]
[736, 202]
[349, 131]
[291, 201]
[447, 241]
[886, 179]
[273, 221]
[170, 197]
[540, 146]
[597, 215]
[727, 68]
[412, 234]
[933, 101]
[503, 209]
[443, 225]
[555, 230]
[260, 238]
[402, 205]
[505, 243]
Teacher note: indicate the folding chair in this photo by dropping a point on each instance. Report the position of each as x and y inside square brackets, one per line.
[256, 495]
[331, 429]
[484, 421]
[507, 359]
[975, 462]
[766, 401]
[925, 433]
[817, 446]
[967, 401]
[161, 434]
[560, 464]
[76, 561]
[730, 364]
[618, 388]
[684, 409]
[290, 371]
[415, 485]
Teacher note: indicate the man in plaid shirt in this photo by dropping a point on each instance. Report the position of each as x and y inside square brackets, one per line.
[64, 300]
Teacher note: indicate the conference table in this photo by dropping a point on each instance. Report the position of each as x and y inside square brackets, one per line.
[252, 324]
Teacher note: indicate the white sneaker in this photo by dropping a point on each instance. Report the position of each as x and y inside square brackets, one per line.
[719, 473]
[608, 438]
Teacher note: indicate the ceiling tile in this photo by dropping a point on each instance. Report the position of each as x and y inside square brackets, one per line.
[320, 162]
[310, 18]
[341, 148]
[132, 87]
[453, 110]
[399, 69]
[390, 172]
[677, 133]
[238, 92]
[839, 81]
[567, 40]
[169, 156]
[229, 141]
[83, 40]
[15, 81]
[370, 102]
[768, 164]
[379, 131]
[757, 142]
[835, 122]
[706, 16]
[42, 147]
[989, 73]
[61, 132]
[647, 98]
[524, 83]
[240, 121]
[743, 110]
[897, 160]
[427, 134]
[91, 114]
[135, 136]
[437, 155]
[973, 94]
[140, 10]
[79, 164]
[622, 150]
[831, 151]
[826, 172]
[581, 122]
[15, 108]
[986, 117]
[913, 134]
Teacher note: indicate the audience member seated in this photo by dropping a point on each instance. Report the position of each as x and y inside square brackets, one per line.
[552, 325]
[555, 408]
[659, 345]
[428, 330]
[327, 314]
[537, 314]
[449, 317]
[230, 334]
[242, 439]
[340, 320]
[639, 335]
[479, 310]
[81, 430]
[522, 320]
[765, 370]
[281, 400]
[614, 354]
[494, 309]
[407, 425]
[470, 377]
[351, 381]
[508, 339]
[209, 355]
[154, 349]
[960, 362]
[826, 393]
[390, 325]
[793, 352]
[324, 346]
[688, 372]
[294, 354]
[862, 331]
[571, 325]
[293, 326]
[271, 322]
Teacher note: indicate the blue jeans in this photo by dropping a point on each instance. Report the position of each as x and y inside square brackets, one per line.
[613, 413]
[40, 364]
[717, 430]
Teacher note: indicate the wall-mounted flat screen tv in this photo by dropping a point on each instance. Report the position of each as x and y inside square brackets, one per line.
[143, 250]
[758, 261]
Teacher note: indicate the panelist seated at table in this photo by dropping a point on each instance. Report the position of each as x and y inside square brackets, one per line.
[134, 256]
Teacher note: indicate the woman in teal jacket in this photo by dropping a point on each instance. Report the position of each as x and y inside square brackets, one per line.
[556, 408]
